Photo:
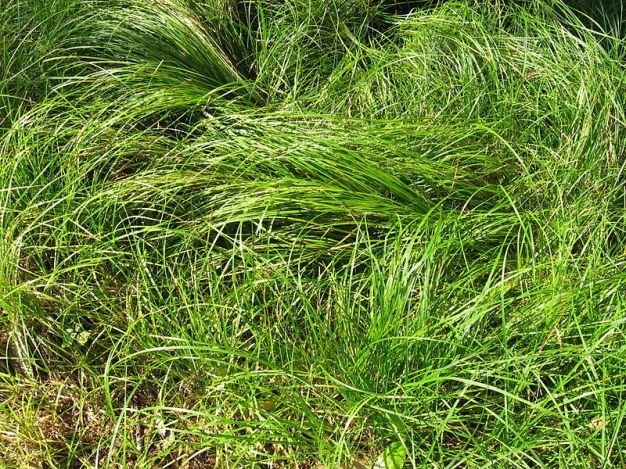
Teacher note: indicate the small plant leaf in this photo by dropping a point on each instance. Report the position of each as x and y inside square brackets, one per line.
[393, 457]
[267, 405]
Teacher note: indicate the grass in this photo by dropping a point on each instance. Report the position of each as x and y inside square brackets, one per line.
[312, 233]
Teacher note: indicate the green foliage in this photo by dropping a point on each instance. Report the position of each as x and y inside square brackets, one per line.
[393, 457]
[311, 233]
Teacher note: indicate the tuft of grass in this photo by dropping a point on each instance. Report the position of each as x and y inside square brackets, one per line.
[312, 234]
